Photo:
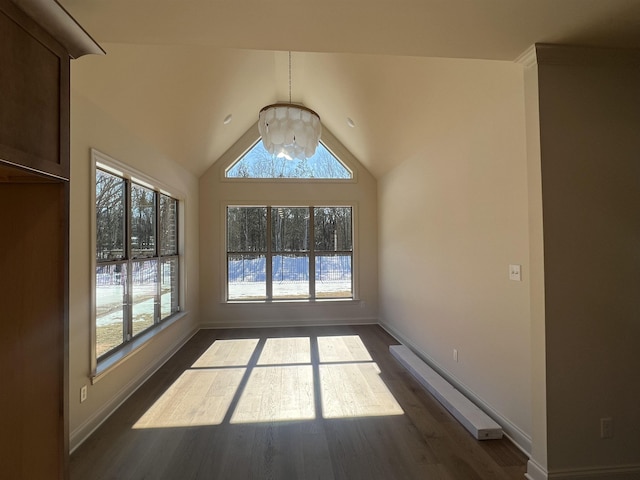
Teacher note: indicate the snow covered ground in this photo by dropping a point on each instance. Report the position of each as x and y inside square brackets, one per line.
[109, 300]
[256, 290]
[247, 277]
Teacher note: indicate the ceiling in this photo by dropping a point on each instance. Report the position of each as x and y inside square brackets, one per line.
[175, 69]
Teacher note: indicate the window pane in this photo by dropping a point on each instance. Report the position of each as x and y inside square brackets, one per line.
[333, 229]
[333, 276]
[247, 229]
[168, 225]
[258, 163]
[290, 275]
[143, 221]
[144, 289]
[290, 229]
[111, 283]
[110, 191]
[169, 287]
[247, 277]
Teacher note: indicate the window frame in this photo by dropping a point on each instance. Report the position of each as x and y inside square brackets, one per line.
[133, 342]
[311, 253]
[251, 137]
[344, 164]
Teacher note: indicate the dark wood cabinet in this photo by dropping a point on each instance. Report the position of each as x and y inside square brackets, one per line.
[34, 230]
[34, 96]
[33, 337]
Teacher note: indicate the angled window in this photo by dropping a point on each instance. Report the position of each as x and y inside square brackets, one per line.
[258, 163]
[136, 257]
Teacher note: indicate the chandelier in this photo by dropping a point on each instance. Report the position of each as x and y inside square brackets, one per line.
[289, 130]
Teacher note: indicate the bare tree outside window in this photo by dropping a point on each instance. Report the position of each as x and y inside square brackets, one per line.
[143, 221]
[307, 254]
[137, 260]
[110, 227]
[258, 163]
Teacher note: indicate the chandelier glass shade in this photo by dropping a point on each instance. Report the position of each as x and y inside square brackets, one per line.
[289, 131]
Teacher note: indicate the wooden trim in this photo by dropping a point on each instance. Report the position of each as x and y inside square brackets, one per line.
[61, 25]
[65, 219]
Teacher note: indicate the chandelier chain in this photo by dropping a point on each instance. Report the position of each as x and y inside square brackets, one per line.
[289, 77]
[289, 131]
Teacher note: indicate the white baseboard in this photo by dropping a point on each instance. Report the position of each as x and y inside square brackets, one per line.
[84, 430]
[535, 471]
[521, 439]
[622, 472]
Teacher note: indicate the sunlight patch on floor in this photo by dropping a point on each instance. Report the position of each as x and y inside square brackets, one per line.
[286, 351]
[225, 384]
[283, 393]
[342, 348]
[355, 390]
[227, 353]
[197, 397]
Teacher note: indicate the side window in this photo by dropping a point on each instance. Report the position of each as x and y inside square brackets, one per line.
[137, 259]
[289, 253]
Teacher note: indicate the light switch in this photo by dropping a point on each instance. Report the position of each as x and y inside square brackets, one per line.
[515, 273]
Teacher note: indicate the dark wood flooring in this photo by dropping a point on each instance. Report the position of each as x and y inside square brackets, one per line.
[288, 403]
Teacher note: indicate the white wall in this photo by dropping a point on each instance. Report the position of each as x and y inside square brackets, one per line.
[215, 194]
[91, 127]
[452, 217]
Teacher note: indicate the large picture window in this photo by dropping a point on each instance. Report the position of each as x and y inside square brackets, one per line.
[137, 260]
[289, 253]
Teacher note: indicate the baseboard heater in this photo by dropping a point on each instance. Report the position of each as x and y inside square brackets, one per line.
[479, 424]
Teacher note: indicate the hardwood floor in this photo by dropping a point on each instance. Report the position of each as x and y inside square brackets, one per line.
[288, 403]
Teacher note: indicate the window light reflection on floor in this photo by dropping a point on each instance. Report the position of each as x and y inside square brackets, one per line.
[355, 390]
[342, 348]
[196, 398]
[286, 351]
[283, 384]
[225, 353]
[277, 394]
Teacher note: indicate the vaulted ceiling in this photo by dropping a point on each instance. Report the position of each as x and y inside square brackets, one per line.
[175, 69]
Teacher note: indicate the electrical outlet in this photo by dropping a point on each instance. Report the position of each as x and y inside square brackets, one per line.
[515, 273]
[606, 427]
[83, 393]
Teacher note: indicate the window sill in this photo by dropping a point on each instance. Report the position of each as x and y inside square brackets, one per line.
[133, 347]
[296, 303]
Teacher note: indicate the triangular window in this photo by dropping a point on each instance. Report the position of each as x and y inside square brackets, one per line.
[258, 163]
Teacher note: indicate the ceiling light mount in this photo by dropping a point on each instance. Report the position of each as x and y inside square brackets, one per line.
[289, 130]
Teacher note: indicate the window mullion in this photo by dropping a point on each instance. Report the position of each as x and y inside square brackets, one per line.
[156, 303]
[176, 221]
[128, 315]
[312, 255]
[269, 257]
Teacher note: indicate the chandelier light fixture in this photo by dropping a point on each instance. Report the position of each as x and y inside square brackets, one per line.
[289, 130]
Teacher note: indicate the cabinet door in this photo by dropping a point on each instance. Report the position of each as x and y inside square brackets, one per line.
[34, 96]
[33, 255]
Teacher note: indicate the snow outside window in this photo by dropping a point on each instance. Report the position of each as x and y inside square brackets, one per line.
[289, 253]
